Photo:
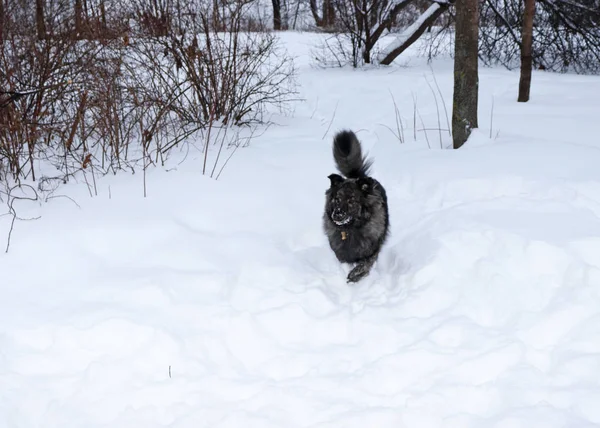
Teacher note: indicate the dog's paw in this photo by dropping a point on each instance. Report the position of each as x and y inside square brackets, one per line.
[356, 274]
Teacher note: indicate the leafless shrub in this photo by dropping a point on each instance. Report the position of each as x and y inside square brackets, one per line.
[197, 77]
[335, 50]
[232, 75]
[47, 73]
[94, 106]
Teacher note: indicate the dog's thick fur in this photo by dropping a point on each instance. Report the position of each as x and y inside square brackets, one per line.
[356, 219]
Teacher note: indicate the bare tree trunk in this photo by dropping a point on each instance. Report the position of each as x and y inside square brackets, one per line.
[2, 22]
[78, 18]
[88, 15]
[367, 22]
[327, 19]
[296, 13]
[526, 52]
[315, 12]
[103, 16]
[466, 78]
[40, 19]
[216, 15]
[328, 13]
[276, 14]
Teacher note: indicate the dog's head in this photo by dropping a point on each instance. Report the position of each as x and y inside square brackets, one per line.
[347, 199]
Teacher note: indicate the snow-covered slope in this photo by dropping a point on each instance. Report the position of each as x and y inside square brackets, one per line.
[219, 304]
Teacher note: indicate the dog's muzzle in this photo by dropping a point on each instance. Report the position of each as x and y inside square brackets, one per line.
[339, 217]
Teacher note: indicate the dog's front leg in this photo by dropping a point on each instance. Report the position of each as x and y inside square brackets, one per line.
[362, 268]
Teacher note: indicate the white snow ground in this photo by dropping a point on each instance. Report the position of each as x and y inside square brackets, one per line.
[219, 304]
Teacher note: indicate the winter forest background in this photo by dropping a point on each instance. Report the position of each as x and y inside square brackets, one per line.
[100, 85]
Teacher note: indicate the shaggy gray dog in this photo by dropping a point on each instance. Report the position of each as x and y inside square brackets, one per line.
[356, 219]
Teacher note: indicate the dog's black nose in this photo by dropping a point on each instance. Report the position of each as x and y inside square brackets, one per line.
[338, 214]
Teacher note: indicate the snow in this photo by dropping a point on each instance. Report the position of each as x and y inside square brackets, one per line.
[219, 304]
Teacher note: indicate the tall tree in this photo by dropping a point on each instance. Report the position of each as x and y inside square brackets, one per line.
[40, 19]
[328, 13]
[78, 17]
[327, 19]
[466, 73]
[276, 14]
[315, 12]
[2, 22]
[103, 17]
[526, 51]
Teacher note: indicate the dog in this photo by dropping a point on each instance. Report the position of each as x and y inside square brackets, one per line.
[356, 217]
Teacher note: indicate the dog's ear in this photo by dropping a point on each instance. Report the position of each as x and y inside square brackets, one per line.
[365, 184]
[335, 179]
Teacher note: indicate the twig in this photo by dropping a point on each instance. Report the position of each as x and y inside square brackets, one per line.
[399, 124]
[87, 184]
[7, 97]
[442, 98]
[94, 179]
[315, 110]
[492, 118]
[10, 202]
[227, 160]
[332, 118]
[210, 125]
[63, 196]
[12, 225]
[414, 116]
[237, 145]
[425, 129]
[437, 109]
[391, 130]
[219, 152]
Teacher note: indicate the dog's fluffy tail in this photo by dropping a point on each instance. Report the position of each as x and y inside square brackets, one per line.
[347, 154]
